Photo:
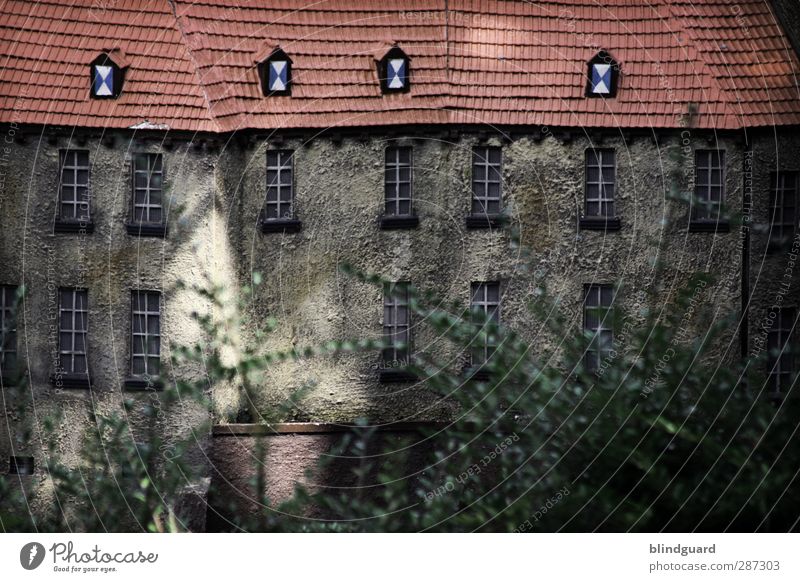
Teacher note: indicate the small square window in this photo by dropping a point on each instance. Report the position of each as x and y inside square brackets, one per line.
[278, 76]
[603, 76]
[20, 465]
[103, 81]
[107, 74]
[393, 71]
[275, 72]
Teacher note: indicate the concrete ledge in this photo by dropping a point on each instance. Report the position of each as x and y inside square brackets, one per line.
[257, 429]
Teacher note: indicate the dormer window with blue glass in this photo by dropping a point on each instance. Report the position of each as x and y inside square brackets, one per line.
[107, 74]
[275, 73]
[393, 71]
[603, 76]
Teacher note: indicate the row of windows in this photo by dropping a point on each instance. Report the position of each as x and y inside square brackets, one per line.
[148, 215]
[72, 368]
[394, 74]
[598, 301]
[485, 303]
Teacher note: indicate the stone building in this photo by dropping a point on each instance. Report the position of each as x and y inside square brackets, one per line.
[147, 143]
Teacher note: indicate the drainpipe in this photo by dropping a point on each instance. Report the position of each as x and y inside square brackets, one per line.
[747, 211]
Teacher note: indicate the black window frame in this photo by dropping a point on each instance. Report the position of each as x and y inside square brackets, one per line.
[393, 165]
[395, 357]
[8, 332]
[779, 195]
[781, 368]
[283, 222]
[76, 223]
[68, 377]
[383, 70]
[147, 227]
[605, 58]
[277, 54]
[490, 310]
[702, 219]
[119, 76]
[594, 297]
[486, 173]
[595, 159]
[146, 307]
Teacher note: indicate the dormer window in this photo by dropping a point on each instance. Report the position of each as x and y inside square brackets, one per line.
[275, 73]
[107, 73]
[393, 71]
[603, 76]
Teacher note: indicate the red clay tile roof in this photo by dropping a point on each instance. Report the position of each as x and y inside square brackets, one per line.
[192, 63]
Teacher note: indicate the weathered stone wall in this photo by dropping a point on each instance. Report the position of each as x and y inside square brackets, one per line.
[110, 263]
[217, 193]
[339, 196]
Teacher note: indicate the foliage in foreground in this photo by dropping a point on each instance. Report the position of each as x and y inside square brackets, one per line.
[663, 437]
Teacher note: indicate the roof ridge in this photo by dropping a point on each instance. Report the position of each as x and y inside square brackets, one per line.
[196, 68]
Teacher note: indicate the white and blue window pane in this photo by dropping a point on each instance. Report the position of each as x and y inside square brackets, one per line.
[601, 78]
[103, 81]
[278, 76]
[396, 74]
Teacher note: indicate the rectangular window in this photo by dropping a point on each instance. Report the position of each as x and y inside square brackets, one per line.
[485, 306]
[145, 333]
[486, 180]
[279, 185]
[396, 318]
[781, 358]
[397, 181]
[73, 329]
[74, 186]
[783, 207]
[709, 185]
[600, 178]
[148, 183]
[8, 331]
[597, 320]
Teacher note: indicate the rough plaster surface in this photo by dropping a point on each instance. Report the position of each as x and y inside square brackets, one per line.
[216, 196]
